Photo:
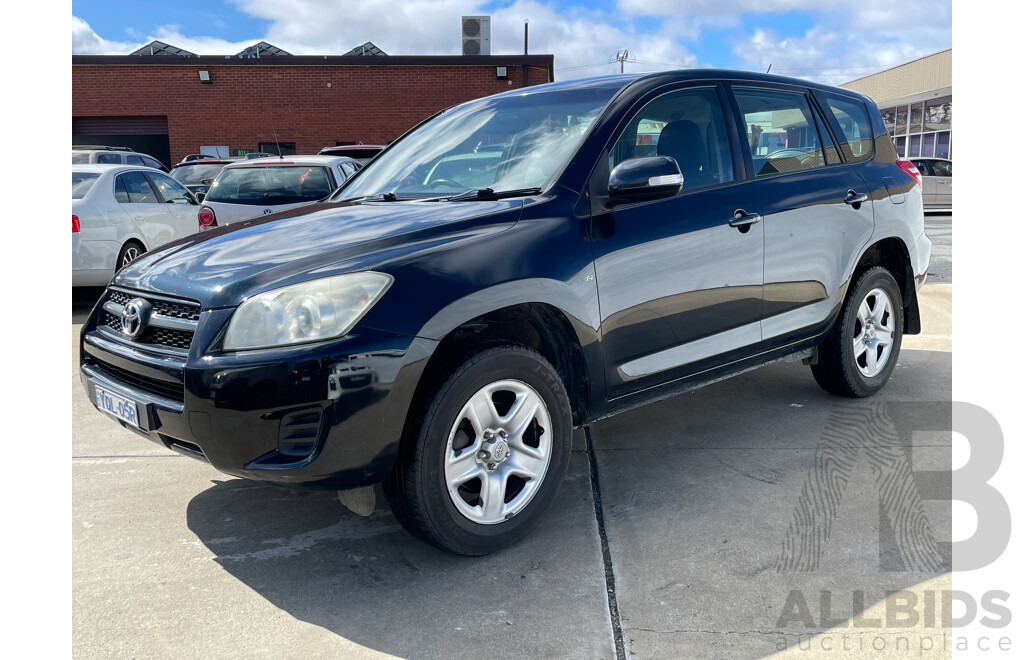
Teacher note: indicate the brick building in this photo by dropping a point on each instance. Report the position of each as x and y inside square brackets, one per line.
[169, 103]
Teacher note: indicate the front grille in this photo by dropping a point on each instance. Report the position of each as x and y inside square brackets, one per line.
[161, 388]
[155, 334]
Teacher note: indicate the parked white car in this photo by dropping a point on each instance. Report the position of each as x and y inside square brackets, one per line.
[251, 188]
[121, 211]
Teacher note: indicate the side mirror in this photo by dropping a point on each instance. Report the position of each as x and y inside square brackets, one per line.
[644, 179]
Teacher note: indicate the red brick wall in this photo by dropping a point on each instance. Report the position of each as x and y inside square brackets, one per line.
[245, 104]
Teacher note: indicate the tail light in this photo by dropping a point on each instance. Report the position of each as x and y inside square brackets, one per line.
[207, 218]
[911, 169]
[75, 227]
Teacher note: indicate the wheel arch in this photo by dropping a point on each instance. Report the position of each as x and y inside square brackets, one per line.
[892, 254]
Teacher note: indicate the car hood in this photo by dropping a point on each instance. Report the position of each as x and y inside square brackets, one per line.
[222, 267]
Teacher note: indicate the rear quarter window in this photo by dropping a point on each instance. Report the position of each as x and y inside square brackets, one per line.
[856, 139]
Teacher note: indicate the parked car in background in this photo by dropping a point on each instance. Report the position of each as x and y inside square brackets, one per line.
[259, 154]
[361, 152]
[119, 212]
[937, 175]
[643, 235]
[250, 188]
[112, 156]
[192, 157]
[198, 175]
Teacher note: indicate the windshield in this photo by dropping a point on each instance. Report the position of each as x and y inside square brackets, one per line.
[81, 183]
[502, 142]
[271, 184]
[196, 174]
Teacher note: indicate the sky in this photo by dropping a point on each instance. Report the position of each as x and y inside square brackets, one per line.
[829, 41]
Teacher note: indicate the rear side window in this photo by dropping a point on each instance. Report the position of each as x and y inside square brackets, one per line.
[687, 125]
[942, 167]
[138, 189]
[855, 138]
[108, 158]
[781, 131]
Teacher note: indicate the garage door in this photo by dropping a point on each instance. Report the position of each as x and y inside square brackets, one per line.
[145, 134]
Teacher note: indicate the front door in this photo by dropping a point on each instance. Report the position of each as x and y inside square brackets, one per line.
[679, 288]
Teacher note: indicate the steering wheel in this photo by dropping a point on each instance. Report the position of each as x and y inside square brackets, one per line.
[437, 183]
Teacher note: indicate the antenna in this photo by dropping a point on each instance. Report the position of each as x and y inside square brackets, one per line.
[278, 144]
[769, 68]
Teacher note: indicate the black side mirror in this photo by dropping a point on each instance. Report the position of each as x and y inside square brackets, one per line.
[643, 179]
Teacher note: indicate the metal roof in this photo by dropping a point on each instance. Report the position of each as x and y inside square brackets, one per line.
[262, 49]
[366, 49]
[160, 48]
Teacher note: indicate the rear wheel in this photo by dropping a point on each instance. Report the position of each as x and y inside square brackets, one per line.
[131, 251]
[487, 457]
[860, 352]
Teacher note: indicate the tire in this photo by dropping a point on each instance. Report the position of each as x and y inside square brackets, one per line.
[855, 360]
[131, 251]
[430, 489]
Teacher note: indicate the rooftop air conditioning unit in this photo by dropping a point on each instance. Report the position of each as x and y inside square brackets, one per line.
[476, 35]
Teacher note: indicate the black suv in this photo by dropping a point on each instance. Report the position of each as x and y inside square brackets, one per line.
[638, 236]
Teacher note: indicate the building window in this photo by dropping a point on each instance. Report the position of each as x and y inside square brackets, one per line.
[287, 148]
[922, 129]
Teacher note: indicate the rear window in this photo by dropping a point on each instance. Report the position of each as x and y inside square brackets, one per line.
[361, 152]
[79, 158]
[81, 183]
[271, 185]
[194, 175]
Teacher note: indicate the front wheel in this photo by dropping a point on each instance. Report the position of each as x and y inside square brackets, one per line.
[860, 353]
[488, 455]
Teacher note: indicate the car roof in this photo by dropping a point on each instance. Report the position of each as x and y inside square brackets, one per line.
[623, 80]
[289, 160]
[204, 161]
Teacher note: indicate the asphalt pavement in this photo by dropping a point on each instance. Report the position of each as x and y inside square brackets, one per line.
[695, 527]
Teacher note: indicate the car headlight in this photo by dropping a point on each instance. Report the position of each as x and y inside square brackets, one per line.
[310, 311]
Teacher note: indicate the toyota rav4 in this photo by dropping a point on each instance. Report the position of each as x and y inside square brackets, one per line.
[632, 237]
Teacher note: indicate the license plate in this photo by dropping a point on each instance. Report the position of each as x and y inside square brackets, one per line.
[118, 406]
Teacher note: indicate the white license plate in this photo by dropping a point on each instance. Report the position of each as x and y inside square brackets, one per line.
[118, 406]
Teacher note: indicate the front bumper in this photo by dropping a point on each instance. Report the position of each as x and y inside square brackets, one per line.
[348, 399]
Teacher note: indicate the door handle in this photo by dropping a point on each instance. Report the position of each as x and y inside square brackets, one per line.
[853, 197]
[742, 220]
[139, 218]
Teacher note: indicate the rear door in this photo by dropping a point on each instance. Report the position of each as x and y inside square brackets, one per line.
[679, 288]
[943, 171]
[816, 207]
[140, 200]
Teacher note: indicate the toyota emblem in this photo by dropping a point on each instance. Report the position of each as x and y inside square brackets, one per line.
[134, 316]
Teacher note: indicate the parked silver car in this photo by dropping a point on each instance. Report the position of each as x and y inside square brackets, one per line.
[118, 212]
[937, 177]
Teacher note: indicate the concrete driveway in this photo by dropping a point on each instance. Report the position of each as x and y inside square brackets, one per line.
[744, 519]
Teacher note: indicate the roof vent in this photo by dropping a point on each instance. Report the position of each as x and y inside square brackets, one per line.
[160, 48]
[367, 49]
[262, 49]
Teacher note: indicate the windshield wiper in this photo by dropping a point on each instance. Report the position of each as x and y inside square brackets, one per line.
[379, 197]
[488, 193]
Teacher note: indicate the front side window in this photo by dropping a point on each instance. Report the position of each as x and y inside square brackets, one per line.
[271, 185]
[942, 167]
[171, 190]
[687, 125]
[137, 188]
[856, 138]
[781, 131]
[505, 142]
[108, 158]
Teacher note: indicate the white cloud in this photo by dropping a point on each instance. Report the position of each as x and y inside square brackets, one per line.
[85, 41]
